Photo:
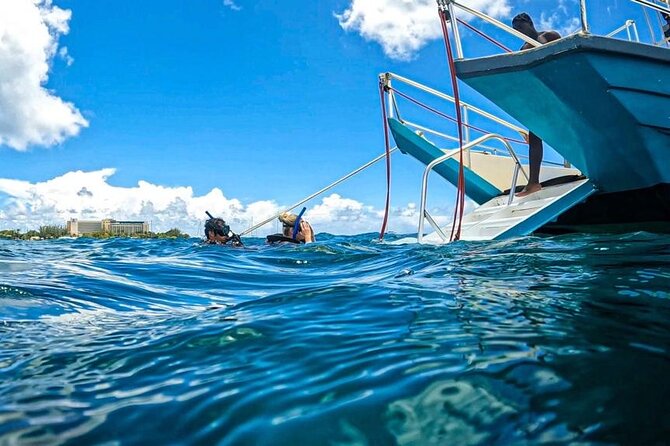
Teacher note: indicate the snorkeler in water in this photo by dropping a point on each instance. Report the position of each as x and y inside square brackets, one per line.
[217, 232]
[295, 229]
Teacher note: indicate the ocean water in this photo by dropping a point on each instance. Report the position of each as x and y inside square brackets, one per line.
[561, 340]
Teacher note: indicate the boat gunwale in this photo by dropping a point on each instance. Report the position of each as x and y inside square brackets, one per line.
[467, 68]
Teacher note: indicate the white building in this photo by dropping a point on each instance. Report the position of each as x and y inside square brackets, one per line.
[77, 227]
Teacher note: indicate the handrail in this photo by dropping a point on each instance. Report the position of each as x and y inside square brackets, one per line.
[494, 22]
[626, 26]
[484, 149]
[582, 15]
[429, 130]
[643, 3]
[424, 184]
[446, 97]
[448, 5]
[653, 6]
[388, 77]
[466, 134]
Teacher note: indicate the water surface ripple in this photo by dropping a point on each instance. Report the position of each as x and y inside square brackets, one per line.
[345, 342]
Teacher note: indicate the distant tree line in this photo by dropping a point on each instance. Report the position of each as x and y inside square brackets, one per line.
[44, 232]
[170, 234]
[52, 232]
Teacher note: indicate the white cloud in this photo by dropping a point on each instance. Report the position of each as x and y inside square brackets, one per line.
[65, 55]
[402, 27]
[560, 23]
[30, 114]
[88, 195]
[232, 5]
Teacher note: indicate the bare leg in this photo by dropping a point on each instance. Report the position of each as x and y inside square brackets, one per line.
[535, 153]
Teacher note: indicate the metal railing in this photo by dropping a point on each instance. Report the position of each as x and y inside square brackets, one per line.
[450, 6]
[423, 213]
[582, 16]
[630, 24]
[652, 5]
[388, 79]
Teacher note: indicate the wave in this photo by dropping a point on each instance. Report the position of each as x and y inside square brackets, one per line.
[345, 341]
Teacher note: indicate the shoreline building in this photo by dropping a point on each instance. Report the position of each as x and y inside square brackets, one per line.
[78, 228]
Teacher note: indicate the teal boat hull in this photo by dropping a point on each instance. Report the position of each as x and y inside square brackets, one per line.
[602, 103]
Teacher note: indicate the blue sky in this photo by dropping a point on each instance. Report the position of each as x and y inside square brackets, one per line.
[266, 101]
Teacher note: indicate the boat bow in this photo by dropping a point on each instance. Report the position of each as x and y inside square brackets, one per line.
[602, 103]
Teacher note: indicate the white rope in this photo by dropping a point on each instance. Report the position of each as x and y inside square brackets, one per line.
[319, 192]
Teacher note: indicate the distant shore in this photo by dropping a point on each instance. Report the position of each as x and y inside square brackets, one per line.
[55, 232]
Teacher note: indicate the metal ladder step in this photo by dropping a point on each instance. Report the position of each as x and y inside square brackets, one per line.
[495, 220]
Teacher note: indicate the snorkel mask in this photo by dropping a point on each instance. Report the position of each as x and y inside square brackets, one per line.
[218, 226]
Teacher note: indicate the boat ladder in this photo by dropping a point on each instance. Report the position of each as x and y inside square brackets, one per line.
[506, 215]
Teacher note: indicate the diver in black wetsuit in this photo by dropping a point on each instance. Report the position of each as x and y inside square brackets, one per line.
[218, 232]
[524, 24]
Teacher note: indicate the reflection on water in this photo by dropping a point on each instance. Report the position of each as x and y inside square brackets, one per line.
[448, 412]
[345, 342]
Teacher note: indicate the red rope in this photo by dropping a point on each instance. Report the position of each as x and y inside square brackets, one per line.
[460, 193]
[439, 113]
[388, 162]
[472, 28]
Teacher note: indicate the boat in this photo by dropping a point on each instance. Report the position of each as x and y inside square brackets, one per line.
[601, 102]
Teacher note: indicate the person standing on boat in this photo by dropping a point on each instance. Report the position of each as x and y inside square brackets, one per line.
[666, 27]
[524, 24]
[305, 233]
